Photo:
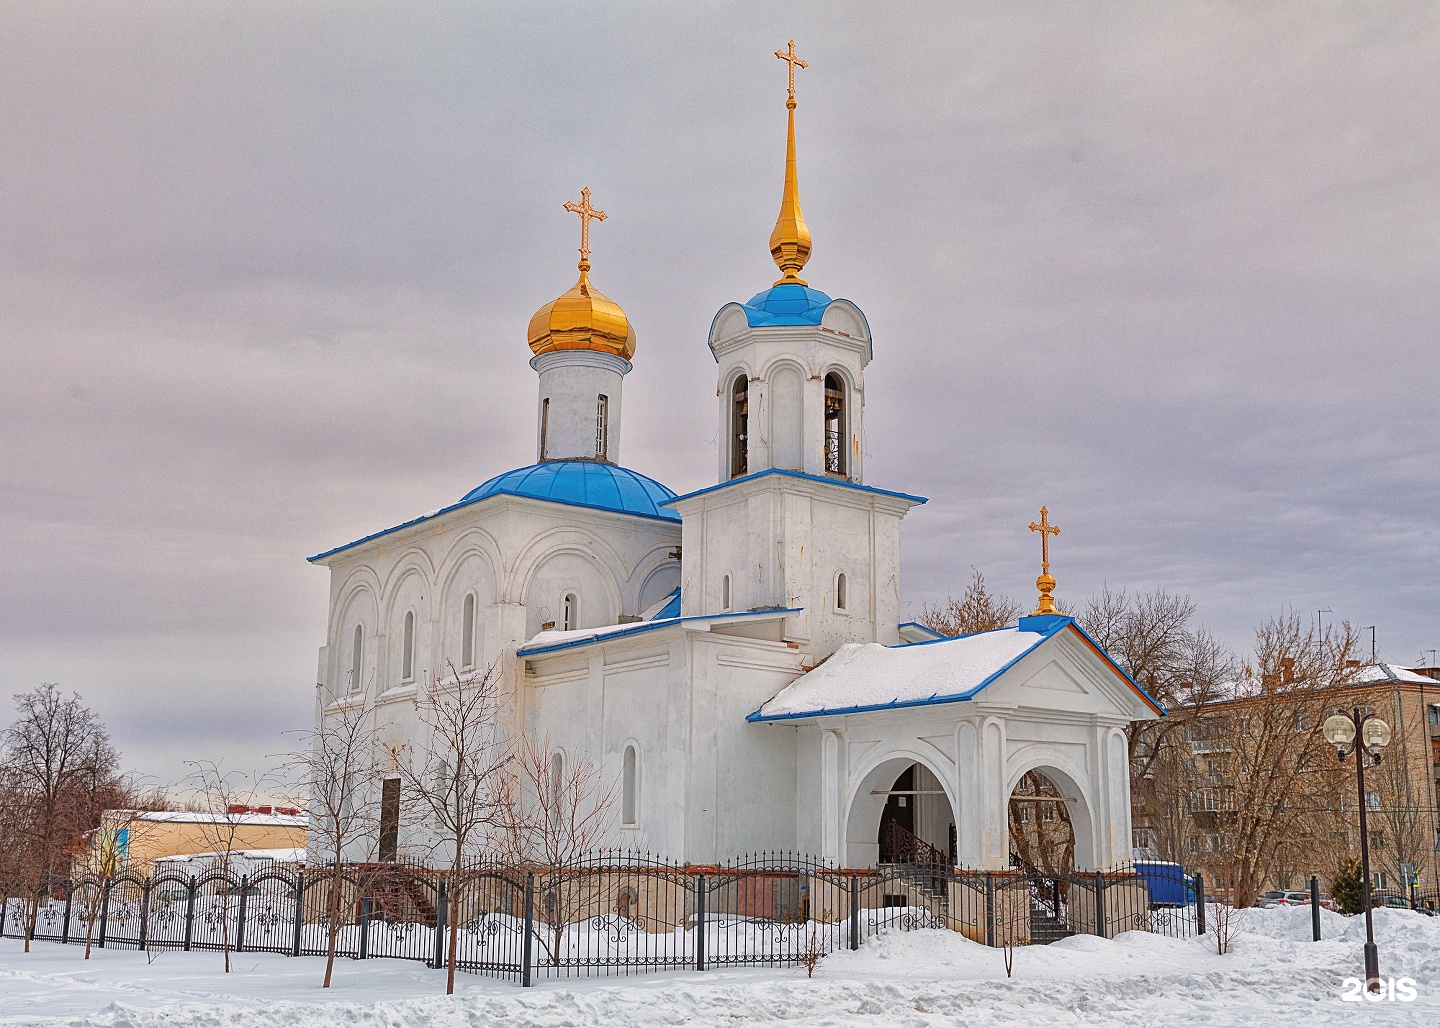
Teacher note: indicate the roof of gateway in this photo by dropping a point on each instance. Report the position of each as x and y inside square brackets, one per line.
[868, 676]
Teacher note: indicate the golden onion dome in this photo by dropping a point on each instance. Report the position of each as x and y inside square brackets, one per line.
[582, 319]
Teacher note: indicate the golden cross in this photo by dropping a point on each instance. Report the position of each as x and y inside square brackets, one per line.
[1046, 530]
[587, 213]
[788, 56]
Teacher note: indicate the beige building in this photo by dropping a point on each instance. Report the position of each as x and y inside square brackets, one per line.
[131, 840]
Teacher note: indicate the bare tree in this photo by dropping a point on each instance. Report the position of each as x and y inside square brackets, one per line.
[335, 774]
[978, 610]
[1154, 636]
[62, 773]
[556, 812]
[1259, 781]
[228, 796]
[455, 787]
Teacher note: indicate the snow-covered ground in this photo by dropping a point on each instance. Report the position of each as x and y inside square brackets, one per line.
[1274, 976]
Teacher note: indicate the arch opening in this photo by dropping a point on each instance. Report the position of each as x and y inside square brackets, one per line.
[902, 813]
[1049, 822]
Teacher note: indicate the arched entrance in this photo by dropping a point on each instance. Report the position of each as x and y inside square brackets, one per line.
[901, 813]
[1049, 823]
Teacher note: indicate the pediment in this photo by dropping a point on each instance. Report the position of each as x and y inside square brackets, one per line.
[1066, 674]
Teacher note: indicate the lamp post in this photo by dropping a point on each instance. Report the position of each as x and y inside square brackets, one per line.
[1365, 735]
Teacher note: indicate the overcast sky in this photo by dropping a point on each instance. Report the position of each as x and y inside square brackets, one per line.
[265, 271]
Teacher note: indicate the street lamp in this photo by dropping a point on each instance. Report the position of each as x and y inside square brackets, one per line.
[1341, 730]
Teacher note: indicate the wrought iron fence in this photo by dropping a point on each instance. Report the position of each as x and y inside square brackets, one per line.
[610, 914]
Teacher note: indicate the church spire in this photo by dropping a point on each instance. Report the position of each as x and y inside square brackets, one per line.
[790, 240]
[1045, 583]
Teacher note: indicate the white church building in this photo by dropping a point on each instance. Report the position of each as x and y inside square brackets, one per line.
[732, 658]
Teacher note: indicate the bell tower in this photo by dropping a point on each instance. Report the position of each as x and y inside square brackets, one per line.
[791, 524]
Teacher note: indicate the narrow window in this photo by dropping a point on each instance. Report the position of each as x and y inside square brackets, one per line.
[630, 788]
[467, 632]
[725, 593]
[557, 775]
[544, 424]
[570, 613]
[834, 425]
[840, 591]
[602, 426]
[357, 651]
[739, 426]
[389, 818]
[407, 658]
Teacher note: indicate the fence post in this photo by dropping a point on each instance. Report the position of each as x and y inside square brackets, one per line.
[190, 913]
[1099, 904]
[104, 909]
[1315, 907]
[69, 896]
[700, 892]
[144, 915]
[240, 915]
[529, 929]
[364, 928]
[989, 909]
[442, 912]
[299, 912]
[854, 912]
[1199, 903]
[4, 909]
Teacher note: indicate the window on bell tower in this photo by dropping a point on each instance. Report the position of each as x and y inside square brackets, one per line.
[739, 426]
[544, 425]
[834, 425]
[569, 613]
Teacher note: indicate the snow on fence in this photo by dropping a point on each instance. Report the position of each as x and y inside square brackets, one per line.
[615, 913]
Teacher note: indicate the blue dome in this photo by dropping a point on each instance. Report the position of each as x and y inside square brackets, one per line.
[583, 483]
[786, 305]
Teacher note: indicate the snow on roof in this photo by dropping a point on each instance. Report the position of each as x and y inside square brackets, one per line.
[1391, 673]
[544, 642]
[206, 818]
[868, 676]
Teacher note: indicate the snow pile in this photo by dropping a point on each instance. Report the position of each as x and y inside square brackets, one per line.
[1273, 976]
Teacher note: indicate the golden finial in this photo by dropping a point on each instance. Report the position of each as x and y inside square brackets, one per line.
[587, 214]
[1045, 583]
[790, 241]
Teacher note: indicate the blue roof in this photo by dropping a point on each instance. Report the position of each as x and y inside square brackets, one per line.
[625, 631]
[580, 483]
[583, 483]
[786, 305]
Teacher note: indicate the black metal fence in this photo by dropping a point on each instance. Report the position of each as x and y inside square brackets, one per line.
[613, 914]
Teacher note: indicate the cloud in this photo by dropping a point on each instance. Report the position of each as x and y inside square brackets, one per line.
[265, 275]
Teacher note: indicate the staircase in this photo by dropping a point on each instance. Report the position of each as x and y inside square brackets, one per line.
[1049, 919]
[922, 866]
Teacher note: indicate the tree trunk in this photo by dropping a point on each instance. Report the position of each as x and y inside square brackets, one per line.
[332, 924]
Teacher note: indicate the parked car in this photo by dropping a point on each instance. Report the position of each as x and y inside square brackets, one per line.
[1273, 898]
[1295, 899]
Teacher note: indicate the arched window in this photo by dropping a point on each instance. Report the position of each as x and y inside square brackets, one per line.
[602, 426]
[630, 787]
[725, 593]
[841, 591]
[544, 424]
[407, 653]
[569, 613]
[739, 426]
[467, 632]
[557, 775]
[835, 445]
[357, 653]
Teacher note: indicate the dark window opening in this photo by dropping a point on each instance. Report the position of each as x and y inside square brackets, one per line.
[389, 818]
[834, 425]
[739, 427]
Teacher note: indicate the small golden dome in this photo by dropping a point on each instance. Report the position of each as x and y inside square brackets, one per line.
[582, 319]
